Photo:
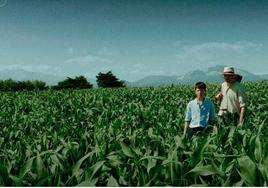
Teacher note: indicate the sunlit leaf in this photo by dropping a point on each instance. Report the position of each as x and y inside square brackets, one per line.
[247, 170]
[126, 150]
[112, 182]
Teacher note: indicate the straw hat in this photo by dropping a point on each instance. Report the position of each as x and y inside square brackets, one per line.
[228, 71]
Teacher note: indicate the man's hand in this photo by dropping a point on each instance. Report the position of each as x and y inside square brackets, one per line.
[184, 137]
[219, 98]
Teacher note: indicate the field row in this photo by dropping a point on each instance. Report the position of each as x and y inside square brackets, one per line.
[127, 137]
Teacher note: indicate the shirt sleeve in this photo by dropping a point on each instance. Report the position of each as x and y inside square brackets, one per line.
[223, 104]
[242, 96]
[188, 116]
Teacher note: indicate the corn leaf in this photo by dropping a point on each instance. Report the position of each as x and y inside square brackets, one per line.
[112, 182]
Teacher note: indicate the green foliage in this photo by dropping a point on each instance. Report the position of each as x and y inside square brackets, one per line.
[79, 82]
[11, 85]
[107, 80]
[127, 137]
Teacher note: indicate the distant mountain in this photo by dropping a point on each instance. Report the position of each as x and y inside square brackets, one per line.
[197, 75]
[264, 76]
[154, 81]
[212, 75]
[21, 75]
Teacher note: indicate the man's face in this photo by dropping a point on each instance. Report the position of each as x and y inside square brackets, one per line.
[229, 78]
[200, 93]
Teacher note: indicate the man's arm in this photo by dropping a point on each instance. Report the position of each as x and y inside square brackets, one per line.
[220, 94]
[188, 117]
[242, 100]
[242, 115]
[186, 126]
[219, 98]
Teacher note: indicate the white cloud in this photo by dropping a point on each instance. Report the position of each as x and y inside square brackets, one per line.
[178, 43]
[137, 71]
[32, 68]
[107, 52]
[3, 3]
[70, 50]
[212, 53]
[147, 72]
[211, 46]
[88, 59]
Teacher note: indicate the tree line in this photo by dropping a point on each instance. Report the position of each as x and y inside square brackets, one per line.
[104, 80]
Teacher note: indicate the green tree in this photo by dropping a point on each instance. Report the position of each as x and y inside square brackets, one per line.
[12, 85]
[39, 85]
[108, 80]
[79, 82]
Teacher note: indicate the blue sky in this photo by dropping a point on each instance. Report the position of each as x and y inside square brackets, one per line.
[133, 38]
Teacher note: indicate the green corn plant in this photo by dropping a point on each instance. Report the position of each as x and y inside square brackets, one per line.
[127, 137]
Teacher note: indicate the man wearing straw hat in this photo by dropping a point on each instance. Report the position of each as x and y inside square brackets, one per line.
[232, 98]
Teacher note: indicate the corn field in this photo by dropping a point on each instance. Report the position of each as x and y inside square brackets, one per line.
[128, 137]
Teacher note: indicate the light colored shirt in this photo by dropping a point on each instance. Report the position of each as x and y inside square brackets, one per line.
[200, 115]
[233, 99]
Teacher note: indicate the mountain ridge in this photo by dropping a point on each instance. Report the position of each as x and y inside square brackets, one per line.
[211, 75]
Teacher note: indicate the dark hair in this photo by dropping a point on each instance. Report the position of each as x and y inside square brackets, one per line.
[200, 85]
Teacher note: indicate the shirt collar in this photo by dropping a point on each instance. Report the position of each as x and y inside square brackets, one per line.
[202, 102]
